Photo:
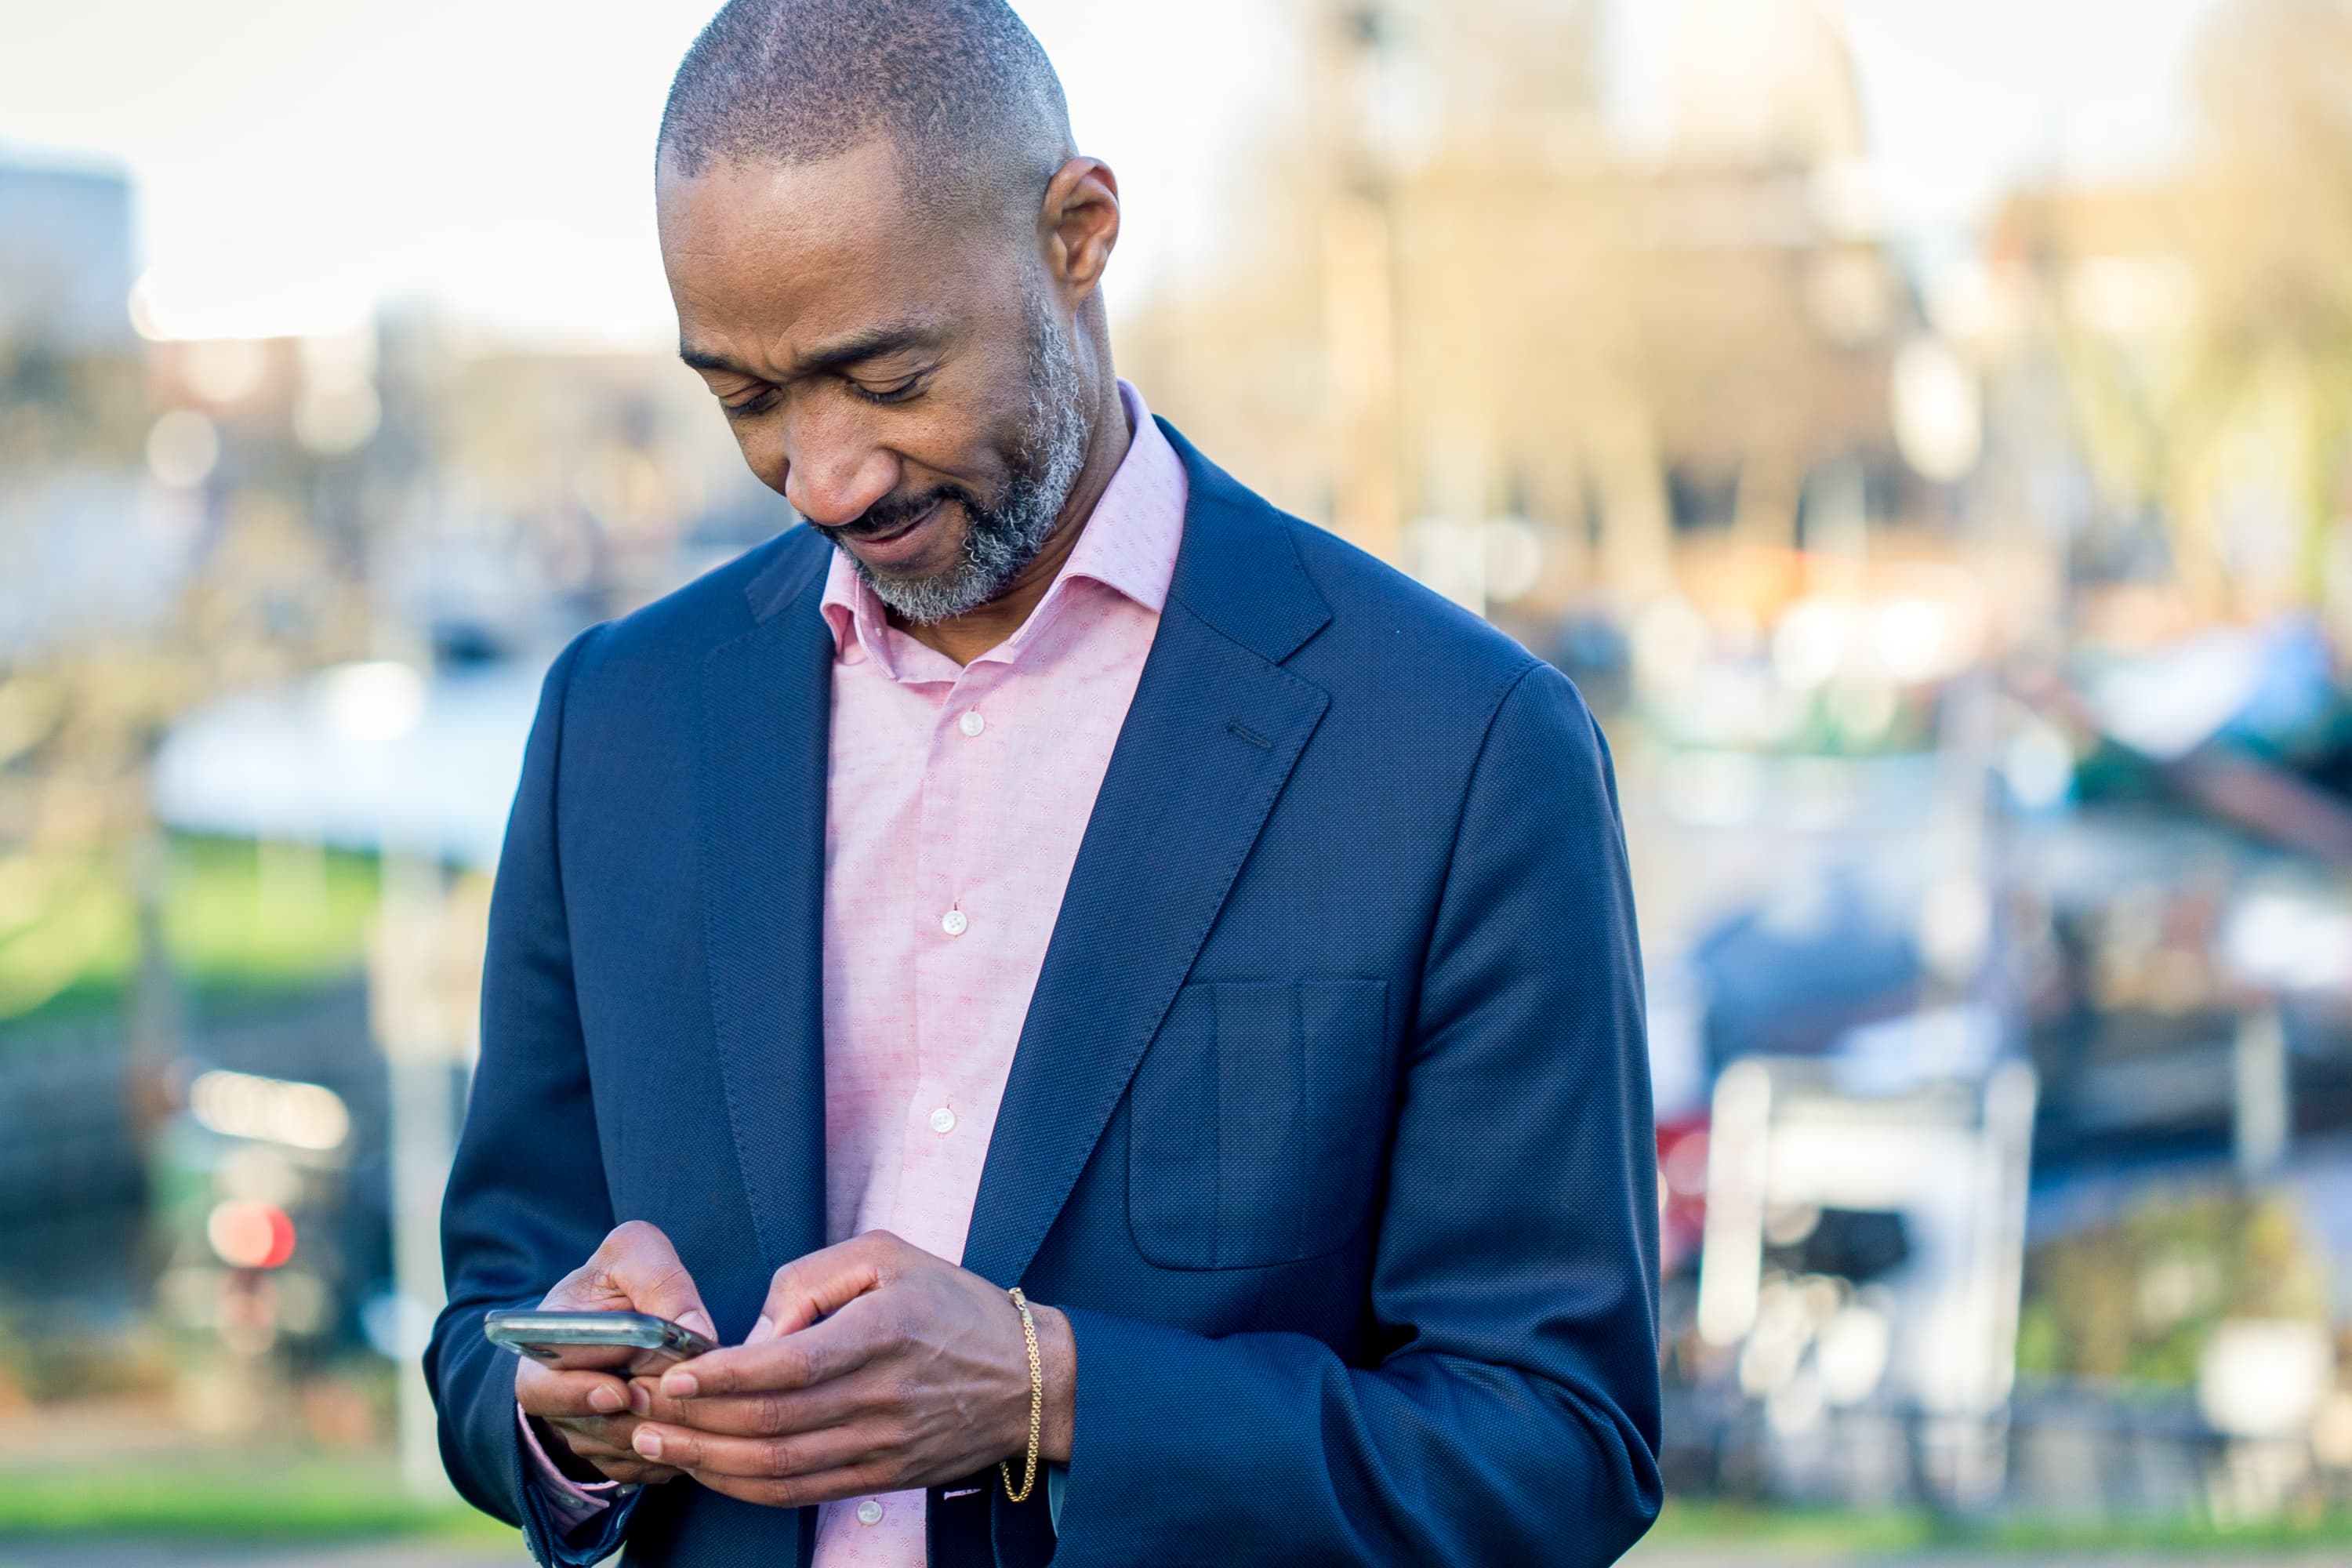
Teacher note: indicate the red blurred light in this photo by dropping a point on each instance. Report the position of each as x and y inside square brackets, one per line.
[250, 1234]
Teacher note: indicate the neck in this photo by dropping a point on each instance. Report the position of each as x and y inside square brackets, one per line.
[966, 636]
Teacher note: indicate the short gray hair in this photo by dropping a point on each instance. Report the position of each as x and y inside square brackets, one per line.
[960, 88]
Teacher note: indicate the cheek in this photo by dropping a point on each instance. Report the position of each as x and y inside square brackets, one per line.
[975, 420]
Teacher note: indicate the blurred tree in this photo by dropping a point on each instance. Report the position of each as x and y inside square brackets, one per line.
[1450, 297]
[2202, 324]
[2138, 1299]
[249, 591]
[2271, 235]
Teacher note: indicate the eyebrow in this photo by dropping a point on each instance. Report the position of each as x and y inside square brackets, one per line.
[866, 342]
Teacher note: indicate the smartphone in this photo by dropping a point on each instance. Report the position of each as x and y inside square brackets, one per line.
[626, 1344]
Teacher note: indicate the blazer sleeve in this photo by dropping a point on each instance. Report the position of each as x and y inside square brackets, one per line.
[526, 1201]
[1516, 1264]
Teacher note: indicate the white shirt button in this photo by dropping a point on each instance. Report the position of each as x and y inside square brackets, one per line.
[971, 723]
[870, 1511]
[942, 1119]
[953, 923]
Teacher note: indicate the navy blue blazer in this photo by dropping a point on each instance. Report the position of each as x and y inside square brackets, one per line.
[1330, 1123]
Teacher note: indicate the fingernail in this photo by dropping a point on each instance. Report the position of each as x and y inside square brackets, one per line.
[761, 1330]
[647, 1442]
[639, 1400]
[699, 1322]
[680, 1385]
[605, 1397]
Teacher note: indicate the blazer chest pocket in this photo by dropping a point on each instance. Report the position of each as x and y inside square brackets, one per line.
[1256, 1122]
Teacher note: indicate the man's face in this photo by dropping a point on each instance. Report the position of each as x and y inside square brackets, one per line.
[903, 380]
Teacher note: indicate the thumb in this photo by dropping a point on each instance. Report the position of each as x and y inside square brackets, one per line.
[673, 1296]
[639, 1263]
[816, 1286]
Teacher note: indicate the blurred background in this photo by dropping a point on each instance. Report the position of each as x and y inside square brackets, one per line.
[1924, 431]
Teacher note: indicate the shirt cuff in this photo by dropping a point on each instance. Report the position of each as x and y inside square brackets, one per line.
[573, 1503]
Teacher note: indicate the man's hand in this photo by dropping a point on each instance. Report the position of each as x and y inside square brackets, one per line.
[874, 1367]
[635, 1270]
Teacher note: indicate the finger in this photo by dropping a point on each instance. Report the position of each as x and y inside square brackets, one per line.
[545, 1391]
[808, 1288]
[600, 1443]
[611, 1432]
[768, 1414]
[843, 1343]
[637, 1472]
[627, 1465]
[799, 1491]
[637, 1263]
[707, 1453]
[623, 1464]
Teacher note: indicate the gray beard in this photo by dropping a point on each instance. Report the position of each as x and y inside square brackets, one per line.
[1002, 537]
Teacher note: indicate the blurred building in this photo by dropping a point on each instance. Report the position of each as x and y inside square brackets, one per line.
[70, 409]
[65, 260]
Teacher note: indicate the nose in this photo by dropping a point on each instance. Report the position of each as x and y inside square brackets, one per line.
[834, 470]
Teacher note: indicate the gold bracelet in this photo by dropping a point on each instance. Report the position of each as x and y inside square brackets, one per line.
[1037, 1404]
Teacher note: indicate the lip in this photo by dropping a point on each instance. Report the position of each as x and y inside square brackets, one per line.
[898, 548]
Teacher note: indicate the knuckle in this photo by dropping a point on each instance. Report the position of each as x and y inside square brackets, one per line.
[570, 1285]
[777, 1457]
[769, 1413]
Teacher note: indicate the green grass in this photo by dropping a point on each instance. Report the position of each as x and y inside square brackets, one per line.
[254, 1498]
[2175, 1534]
[1835, 1533]
[240, 922]
[241, 918]
[1689, 1522]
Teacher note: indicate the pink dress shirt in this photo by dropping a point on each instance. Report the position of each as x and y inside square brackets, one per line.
[955, 799]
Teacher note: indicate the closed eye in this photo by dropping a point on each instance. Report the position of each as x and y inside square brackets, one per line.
[902, 392]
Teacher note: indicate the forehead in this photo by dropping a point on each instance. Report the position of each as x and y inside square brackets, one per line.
[764, 256]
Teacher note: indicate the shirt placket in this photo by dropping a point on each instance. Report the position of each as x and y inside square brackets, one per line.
[950, 947]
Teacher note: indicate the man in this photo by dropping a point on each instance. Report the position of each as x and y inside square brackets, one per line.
[1054, 867]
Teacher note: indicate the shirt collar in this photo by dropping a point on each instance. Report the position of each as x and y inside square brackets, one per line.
[1129, 545]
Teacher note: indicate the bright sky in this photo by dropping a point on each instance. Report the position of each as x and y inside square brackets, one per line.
[297, 161]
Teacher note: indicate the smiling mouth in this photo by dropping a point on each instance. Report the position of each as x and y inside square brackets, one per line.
[884, 536]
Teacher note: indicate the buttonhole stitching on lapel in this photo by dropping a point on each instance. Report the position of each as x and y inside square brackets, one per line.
[1236, 727]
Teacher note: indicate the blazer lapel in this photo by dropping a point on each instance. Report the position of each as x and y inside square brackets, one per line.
[766, 712]
[1213, 732]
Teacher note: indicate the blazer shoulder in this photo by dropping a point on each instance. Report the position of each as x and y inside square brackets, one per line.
[1394, 632]
[1318, 605]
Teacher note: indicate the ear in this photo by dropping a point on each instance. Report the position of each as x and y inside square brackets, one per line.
[1079, 225]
